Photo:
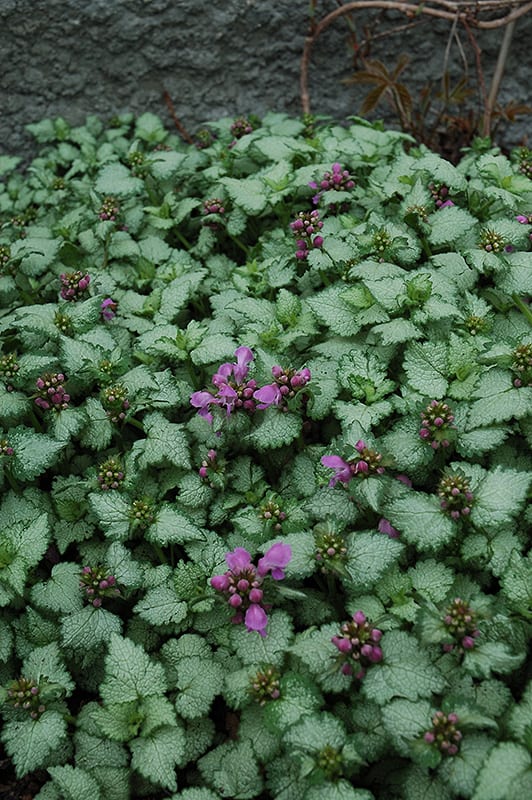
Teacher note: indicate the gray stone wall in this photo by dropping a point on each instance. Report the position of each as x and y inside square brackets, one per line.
[215, 58]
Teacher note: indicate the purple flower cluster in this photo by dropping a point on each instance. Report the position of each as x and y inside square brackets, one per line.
[242, 583]
[305, 227]
[369, 463]
[110, 475]
[492, 242]
[337, 179]
[108, 308]
[213, 206]
[522, 364]
[287, 383]
[97, 585]
[207, 463]
[330, 550]
[440, 195]
[240, 127]
[358, 645]
[233, 390]
[109, 210]
[52, 393]
[24, 693]
[436, 423]
[444, 735]
[455, 495]
[74, 285]
[461, 624]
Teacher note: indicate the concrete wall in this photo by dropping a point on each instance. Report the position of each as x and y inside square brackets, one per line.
[216, 58]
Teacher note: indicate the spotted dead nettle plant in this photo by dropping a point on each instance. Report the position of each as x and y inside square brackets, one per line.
[265, 463]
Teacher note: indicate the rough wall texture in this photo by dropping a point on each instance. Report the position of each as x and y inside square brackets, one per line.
[215, 58]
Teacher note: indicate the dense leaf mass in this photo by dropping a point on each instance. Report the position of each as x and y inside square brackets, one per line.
[265, 428]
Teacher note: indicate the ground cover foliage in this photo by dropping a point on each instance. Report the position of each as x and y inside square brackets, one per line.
[265, 416]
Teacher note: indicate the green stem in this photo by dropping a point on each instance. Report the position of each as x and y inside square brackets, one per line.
[106, 250]
[135, 423]
[160, 553]
[523, 308]
[184, 241]
[12, 482]
[240, 244]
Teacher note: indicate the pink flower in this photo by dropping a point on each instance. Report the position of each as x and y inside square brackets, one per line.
[275, 559]
[108, 308]
[342, 470]
[268, 396]
[202, 401]
[255, 619]
[239, 560]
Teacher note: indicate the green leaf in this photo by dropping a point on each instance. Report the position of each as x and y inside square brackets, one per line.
[115, 180]
[75, 783]
[22, 545]
[405, 671]
[330, 308]
[488, 657]
[516, 582]
[157, 756]
[520, 723]
[396, 331]
[431, 579]
[232, 770]
[61, 591]
[247, 193]
[160, 606]
[32, 743]
[370, 554]
[405, 721]
[299, 697]
[271, 649]
[130, 674]
[275, 429]
[506, 774]
[420, 521]
[449, 224]
[89, 627]
[461, 773]
[33, 452]
[426, 367]
[500, 497]
[166, 442]
[173, 527]
[315, 732]
[112, 511]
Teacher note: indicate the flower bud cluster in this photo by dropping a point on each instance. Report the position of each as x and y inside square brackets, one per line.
[52, 393]
[63, 323]
[142, 513]
[8, 366]
[240, 126]
[204, 138]
[265, 686]
[5, 255]
[97, 585]
[74, 285]
[330, 550]
[358, 646]
[461, 623]
[337, 179]
[329, 761]
[444, 735]
[525, 161]
[5, 448]
[115, 402]
[58, 184]
[271, 512]
[455, 494]
[522, 364]
[305, 227]
[436, 422]
[207, 464]
[109, 210]
[476, 324]
[381, 241]
[242, 583]
[440, 195]
[136, 161]
[418, 211]
[25, 693]
[111, 475]
[213, 206]
[288, 382]
[491, 241]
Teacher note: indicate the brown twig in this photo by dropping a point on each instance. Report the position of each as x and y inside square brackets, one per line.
[447, 10]
[177, 122]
